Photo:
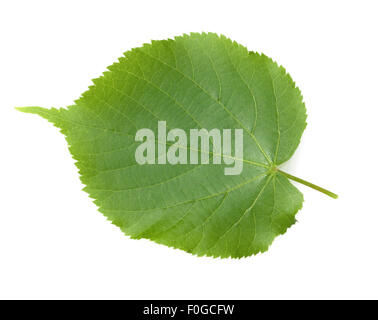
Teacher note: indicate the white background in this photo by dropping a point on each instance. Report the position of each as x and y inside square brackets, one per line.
[53, 241]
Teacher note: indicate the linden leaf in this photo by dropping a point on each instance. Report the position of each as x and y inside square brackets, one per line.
[196, 81]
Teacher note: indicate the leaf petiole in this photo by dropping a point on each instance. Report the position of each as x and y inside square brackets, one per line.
[309, 184]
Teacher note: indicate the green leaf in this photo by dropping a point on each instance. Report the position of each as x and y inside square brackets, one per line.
[194, 81]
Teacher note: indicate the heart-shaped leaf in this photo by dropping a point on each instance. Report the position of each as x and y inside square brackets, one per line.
[229, 202]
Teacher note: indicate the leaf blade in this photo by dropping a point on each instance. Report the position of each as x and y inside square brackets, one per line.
[193, 81]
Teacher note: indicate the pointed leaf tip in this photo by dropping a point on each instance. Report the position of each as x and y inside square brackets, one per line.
[35, 110]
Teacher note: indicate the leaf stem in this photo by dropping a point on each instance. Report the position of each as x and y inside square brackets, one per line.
[309, 184]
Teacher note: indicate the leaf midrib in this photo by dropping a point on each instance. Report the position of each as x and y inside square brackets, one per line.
[80, 124]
